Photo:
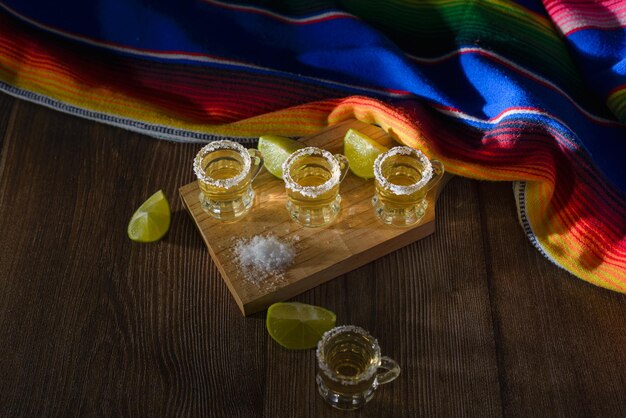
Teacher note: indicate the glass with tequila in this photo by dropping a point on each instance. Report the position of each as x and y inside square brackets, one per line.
[312, 177]
[350, 367]
[225, 171]
[403, 177]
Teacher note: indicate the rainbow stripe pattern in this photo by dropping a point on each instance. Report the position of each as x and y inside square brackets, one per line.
[522, 91]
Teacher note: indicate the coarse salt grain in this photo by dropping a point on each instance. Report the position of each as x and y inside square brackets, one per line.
[261, 257]
[199, 170]
[427, 173]
[312, 191]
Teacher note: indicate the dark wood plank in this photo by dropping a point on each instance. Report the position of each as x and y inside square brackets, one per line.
[7, 104]
[94, 324]
[561, 341]
[91, 323]
[430, 312]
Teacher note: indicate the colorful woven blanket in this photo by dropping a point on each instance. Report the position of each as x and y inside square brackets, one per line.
[520, 91]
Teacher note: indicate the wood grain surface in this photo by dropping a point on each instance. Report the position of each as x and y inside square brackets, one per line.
[354, 239]
[92, 324]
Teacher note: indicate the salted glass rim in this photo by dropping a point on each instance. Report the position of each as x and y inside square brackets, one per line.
[216, 146]
[319, 352]
[312, 191]
[427, 172]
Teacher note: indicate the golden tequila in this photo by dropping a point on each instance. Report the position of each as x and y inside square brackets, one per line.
[312, 177]
[225, 171]
[350, 367]
[403, 177]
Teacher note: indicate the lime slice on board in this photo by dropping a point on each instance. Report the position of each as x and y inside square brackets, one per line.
[298, 326]
[152, 220]
[275, 150]
[361, 151]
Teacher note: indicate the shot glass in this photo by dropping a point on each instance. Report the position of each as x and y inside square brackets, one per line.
[225, 171]
[350, 367]
[403, 177]
[312, 177]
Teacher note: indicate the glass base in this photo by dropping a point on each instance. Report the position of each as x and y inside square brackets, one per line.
[317, 216]
[228, 210]
[399, 216]
[345, 402]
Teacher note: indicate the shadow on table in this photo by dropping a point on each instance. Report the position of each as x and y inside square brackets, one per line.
[183, 232]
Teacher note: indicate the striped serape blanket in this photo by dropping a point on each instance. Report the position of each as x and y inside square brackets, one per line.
[525, 91]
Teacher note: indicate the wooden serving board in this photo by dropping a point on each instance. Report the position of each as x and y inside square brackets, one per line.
[355, 238]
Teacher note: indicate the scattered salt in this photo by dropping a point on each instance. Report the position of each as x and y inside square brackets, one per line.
[261, 257]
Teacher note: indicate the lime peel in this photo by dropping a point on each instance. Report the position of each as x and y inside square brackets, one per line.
[361, 151]
[151, 220]
[275, 150]
[298, 326]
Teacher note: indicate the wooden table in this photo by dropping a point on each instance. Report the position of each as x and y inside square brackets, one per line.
[92, 324]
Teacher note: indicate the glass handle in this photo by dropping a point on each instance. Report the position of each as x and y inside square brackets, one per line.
[387, 371]
[343, 165]
[257, 162]
[437, 173]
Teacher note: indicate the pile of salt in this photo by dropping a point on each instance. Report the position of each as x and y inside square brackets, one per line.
[264, 256]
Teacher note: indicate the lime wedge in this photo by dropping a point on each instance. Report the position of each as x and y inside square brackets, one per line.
[152, 220]
[275, 150]
[298, 326]
[361, 151]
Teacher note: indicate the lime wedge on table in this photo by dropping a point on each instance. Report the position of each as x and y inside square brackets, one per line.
[275, 150]
[152, 220]
[361, 151]
[298, 326]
